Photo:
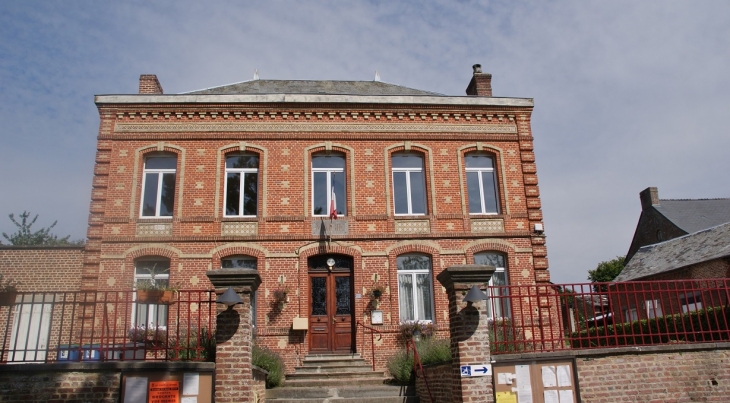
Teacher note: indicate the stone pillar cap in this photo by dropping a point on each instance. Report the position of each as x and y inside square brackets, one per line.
[236, 278]
[465, 274]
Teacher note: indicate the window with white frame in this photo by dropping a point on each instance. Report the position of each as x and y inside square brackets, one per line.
[328, 185]
[158, 186]
[409, 184]
[481, 184]
[653, 309]
[631, 314]
[243, 262]
[415, 289]
[691, 301]
[241, 188]
[498, 305]
[156, 271]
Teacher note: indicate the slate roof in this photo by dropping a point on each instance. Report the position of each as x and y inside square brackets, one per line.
[709, 244]
[695, 215]
[313, 87]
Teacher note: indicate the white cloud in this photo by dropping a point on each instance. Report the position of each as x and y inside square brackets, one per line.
[628, 94]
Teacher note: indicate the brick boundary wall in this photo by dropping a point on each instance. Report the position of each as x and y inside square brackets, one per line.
[440, 382]
[666, 373]
[43, 268]
[77, 382]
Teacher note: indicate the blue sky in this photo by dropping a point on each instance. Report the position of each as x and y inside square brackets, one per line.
[627, 94]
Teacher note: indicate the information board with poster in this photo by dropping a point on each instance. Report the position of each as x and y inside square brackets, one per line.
[535, 382]
[167, 387]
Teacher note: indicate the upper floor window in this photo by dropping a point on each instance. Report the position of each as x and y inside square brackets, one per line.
[156, 271]
[328, 185]
[158, 187]
[415, 291]
[481, 184]
[409, 184]
[498, 305]
[243, 262]
[242, 180]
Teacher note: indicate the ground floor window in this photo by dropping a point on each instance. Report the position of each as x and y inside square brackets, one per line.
[415, 289]
[156, 272]
[498, 305]
[243, 262]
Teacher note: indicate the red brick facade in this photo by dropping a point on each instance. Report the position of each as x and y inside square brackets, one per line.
[285, 132]
[43, 268]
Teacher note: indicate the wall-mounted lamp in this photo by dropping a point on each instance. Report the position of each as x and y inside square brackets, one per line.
[475, 295]
[229, 298]
[539, 229]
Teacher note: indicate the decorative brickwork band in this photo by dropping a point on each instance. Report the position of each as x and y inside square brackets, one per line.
[153, 230]
[488, 225]
[412, 227]
[239, 228]
[313, 127]
[469, 330]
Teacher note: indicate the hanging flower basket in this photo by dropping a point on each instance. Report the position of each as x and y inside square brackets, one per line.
[377, 291]
[7, 298]
[157, 297]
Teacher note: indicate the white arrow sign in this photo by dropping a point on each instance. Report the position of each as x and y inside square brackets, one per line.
[476, 370]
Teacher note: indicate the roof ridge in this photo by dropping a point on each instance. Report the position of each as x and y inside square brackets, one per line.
[709, 198]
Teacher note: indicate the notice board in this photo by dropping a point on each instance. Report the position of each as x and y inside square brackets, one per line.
[167, 387]
[535, 382]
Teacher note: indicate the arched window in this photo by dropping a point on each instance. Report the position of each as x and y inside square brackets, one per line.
[328, 185]
[158, 186]
[415, 290]
[498, 305]
[409, 184]
[481, 184]
[152, 271]
[243, 262]
[242, 181]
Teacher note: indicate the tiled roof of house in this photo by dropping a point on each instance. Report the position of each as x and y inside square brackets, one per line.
[708, 244]
[313, 87]
[697, 214]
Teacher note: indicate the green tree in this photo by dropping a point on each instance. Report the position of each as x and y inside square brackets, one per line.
[606, 272]
[26, 236]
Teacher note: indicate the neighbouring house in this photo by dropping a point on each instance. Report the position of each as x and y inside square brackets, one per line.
[330, 189]
[665, 219]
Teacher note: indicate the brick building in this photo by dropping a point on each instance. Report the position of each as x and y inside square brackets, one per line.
[330, 189]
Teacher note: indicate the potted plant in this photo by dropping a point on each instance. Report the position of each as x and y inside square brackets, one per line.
[8, 291]
[280, 297]
[377, 291]
[153, 291]
[152, 336]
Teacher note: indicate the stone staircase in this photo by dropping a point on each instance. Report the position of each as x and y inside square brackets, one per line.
[339, 378]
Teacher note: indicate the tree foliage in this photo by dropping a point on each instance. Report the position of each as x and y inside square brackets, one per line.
[26, 236]
[606, 271]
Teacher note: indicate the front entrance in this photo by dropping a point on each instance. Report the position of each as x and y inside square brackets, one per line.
[330, 304]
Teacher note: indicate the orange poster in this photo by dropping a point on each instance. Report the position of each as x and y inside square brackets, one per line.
[164, 392]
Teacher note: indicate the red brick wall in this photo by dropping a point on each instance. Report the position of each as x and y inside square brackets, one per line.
[674, 373]
[440, 380]
[43, 268]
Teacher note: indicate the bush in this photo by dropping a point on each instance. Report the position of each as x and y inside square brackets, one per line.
[266, 359]
[430, 351]
[710, 324]
[193, 346]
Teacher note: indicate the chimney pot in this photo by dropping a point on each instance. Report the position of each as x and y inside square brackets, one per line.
[481, 83]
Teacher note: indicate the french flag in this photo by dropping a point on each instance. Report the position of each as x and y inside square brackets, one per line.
[333, 205]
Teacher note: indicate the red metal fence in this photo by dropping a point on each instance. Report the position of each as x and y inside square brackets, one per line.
[597, 315]
[107, 326]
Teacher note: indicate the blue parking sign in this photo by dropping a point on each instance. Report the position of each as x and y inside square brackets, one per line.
[466, 370]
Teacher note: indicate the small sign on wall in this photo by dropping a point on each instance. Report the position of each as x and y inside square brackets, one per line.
[376, 317]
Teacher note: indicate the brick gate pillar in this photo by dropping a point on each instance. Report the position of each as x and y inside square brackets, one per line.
[469, 330]
[233, 376]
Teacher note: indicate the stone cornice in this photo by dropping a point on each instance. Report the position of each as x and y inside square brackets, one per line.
[311, 98]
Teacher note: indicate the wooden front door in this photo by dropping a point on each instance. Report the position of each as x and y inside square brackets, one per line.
[331, 306]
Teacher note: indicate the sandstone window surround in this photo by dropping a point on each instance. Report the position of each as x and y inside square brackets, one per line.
[241, 185]
[158, 186]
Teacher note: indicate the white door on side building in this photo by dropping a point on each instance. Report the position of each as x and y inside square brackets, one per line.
[31, 327]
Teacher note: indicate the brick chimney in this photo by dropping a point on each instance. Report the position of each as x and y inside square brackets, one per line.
[649, 197]
[481, 83]
[148, 84]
